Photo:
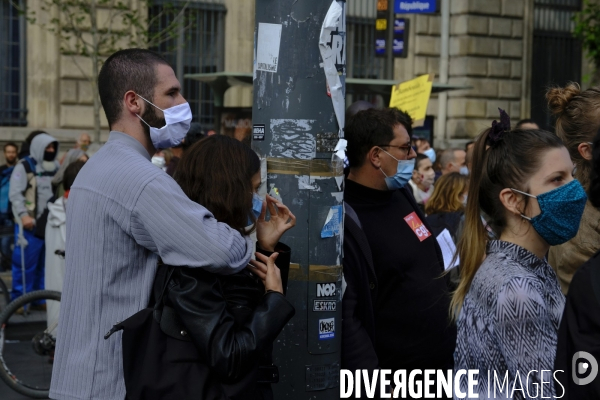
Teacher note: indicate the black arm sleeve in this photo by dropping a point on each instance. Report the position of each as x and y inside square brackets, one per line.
[230, 352]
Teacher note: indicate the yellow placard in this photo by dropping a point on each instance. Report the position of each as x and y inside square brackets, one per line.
[412, 97]
[380, 24]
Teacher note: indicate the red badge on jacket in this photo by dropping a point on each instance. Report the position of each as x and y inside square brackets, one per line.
[417, 226]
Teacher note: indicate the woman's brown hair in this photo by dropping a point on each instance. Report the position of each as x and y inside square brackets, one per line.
[447, 193]
[502, 163]
[217, 172]
[577, 116]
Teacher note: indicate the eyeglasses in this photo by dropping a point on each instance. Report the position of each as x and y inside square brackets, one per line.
[408, 148]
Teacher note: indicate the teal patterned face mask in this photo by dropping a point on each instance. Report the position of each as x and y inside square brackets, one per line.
[562, 209]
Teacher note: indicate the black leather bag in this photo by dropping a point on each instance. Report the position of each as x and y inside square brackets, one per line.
[158, 356]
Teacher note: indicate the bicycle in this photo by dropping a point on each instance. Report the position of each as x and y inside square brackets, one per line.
[28, 328]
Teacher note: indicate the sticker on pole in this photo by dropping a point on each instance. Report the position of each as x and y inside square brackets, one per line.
[258, 132]
[333, 223]
[267, 52]
[324, 305]
[326, 328]
[326, 289]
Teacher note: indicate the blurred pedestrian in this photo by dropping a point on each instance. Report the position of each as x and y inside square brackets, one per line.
[580, 325]
[56, 235]
[27, 143]
[421, 183]
[453, 160]
[6, 216]
[83, 143]
[70, 157]
[577, 121]
[123, 214]
[446, 206]
[508, 303]
[392, 263]
[30, 190]
[526, 124]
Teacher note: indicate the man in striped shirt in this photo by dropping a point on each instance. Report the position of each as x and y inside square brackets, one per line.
[123, 214]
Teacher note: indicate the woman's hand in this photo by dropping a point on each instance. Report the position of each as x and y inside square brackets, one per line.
[269, 232]
[267, 271]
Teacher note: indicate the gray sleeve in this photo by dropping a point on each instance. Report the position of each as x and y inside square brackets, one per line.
[18, 184]
[183, 233]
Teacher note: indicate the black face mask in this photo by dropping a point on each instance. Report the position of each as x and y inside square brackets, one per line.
[49, 155]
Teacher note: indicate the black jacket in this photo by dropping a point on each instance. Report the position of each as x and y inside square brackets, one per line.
[232, 324]
[580, 332]
[358, 319]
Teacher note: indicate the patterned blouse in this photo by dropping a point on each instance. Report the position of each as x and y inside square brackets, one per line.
[508, 325]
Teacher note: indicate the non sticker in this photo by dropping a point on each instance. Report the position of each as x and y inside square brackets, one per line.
[326, 289]
[258, 132]
[326, 328]
[324, 305]
[417, 226]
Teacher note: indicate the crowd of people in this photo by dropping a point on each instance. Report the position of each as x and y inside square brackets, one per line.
[150, 240]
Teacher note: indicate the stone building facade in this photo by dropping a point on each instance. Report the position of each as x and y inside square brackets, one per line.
[490, 51]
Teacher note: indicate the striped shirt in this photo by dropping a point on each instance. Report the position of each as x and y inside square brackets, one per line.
[123, 214]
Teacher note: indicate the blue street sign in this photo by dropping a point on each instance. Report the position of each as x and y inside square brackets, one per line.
[414, 6]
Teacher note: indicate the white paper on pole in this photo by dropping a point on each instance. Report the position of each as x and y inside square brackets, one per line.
[333, 51]
[267, 51]
[448, 249]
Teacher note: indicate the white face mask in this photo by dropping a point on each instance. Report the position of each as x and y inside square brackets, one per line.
[178, 119]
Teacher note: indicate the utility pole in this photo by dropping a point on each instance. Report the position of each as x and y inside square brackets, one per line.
[298, 116]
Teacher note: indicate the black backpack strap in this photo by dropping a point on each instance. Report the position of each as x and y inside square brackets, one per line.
[596, 280]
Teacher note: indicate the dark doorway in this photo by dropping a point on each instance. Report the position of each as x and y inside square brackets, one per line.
[556, 56]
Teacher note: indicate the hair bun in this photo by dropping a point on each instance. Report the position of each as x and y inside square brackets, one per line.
[559, 97]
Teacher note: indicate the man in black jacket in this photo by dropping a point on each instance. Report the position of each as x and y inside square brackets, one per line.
[396, 302]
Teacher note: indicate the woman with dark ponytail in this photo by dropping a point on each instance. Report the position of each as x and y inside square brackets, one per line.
[508, 304]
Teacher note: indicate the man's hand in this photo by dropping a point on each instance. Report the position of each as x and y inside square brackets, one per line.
[267, 271]
[269, 232]
[28, 222]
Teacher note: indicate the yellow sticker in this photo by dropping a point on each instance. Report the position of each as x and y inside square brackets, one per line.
[412, 97]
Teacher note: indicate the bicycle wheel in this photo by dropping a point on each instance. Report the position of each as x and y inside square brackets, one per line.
[4, 295]
[27, 342]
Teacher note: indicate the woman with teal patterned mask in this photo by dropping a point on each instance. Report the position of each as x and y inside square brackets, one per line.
[508, 304]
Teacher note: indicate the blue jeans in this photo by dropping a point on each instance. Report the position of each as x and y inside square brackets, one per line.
[35, 261]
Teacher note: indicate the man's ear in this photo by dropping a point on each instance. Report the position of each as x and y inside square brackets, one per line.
[512, 201]
[133, 102]
[373, 156]
[585, 149]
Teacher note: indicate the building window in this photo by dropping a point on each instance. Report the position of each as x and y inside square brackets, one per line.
[13, 110]
[198, 48]
[362, 63]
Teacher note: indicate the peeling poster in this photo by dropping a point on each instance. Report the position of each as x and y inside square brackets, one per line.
[291, 138]
[333, 223]
[267, 52]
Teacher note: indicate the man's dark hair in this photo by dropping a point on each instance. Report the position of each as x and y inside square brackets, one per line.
[523, 122]
[130, 69]
[195, 134]
[11, 144]
[420, 157]
[71, 173]
[370, 128]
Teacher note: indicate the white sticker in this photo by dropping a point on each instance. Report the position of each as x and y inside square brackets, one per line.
[448, 249]
[332, 44]
[326, 289]
[324, 305]
[326, 328]
[267, 52]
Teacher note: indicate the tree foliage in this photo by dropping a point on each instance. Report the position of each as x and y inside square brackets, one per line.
[587, 29]
[95, 29]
